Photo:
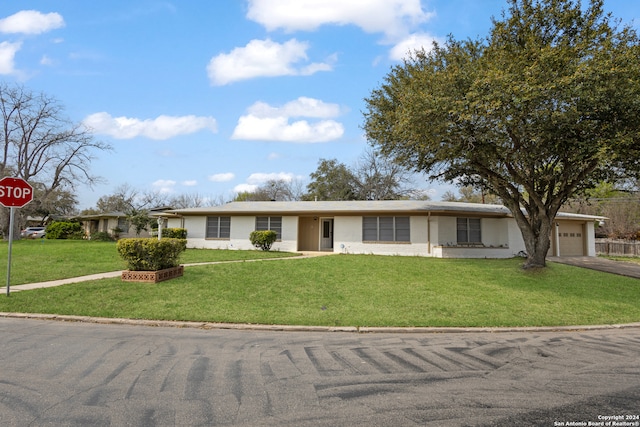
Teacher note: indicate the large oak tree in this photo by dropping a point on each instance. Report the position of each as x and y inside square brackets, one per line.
[540, 110]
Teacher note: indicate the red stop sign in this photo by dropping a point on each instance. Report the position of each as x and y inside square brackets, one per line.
[15, 192]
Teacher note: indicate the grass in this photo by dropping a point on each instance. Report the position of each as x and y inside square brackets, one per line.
[42, 260]
[353, 290]
[635, 260]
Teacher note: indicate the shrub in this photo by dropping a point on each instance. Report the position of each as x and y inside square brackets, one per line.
[174, 233]
[64, 230]
[101, 236]
[263, 239]
[150, 254]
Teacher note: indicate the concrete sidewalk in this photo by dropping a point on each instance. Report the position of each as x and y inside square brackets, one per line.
[621, 268]
[51, 283]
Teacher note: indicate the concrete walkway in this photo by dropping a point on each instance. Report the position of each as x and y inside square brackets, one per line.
[622, 268]
[111, 274]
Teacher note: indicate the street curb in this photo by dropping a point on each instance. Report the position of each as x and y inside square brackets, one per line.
[297, 328]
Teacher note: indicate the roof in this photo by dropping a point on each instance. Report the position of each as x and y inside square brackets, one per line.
[113, 214]
[358, 207]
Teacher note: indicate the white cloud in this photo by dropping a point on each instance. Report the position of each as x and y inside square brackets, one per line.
[261, 178]
[390, 17]
[279, 129]
[221, 177]
[245, 188]
[46, 60]
[31, 22]
[266, 123]
[412, 43]
[162, 127]
[190, 183]
[263, 58]
[7, 56]
[164, 185]
[301, 107]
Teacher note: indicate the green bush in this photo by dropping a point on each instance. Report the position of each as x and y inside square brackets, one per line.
[64, 230]
[263, 239]
[101, 236]
[174, 233]
[150, 254]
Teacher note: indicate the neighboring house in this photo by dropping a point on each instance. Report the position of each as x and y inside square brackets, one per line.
[114, 223]
[397, 227]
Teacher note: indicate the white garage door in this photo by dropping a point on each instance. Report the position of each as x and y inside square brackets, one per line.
[571, 238]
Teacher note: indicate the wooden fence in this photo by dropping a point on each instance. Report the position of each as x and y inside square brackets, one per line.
[618, 247]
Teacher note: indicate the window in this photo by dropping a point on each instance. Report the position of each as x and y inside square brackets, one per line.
[270, 223]
[468, 230]
[386, 229]
[123, 224]
[218, 227]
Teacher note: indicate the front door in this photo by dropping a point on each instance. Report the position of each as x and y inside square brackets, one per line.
[326, 237]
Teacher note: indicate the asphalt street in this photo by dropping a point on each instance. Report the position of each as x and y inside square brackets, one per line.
[56, 373]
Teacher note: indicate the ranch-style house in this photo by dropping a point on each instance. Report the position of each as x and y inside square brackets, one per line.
[394, 227]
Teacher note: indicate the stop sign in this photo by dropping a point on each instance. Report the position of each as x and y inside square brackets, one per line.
[15, 192]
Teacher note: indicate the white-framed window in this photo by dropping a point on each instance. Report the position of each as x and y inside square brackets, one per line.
[468, 230]
[386, 229]
[218, 227]
[273, 223]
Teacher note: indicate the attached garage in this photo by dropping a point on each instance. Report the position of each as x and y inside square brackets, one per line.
[570, 238]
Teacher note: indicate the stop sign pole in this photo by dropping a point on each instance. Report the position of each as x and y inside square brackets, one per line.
[14, 193]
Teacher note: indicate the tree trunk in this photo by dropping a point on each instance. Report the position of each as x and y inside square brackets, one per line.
[537, 241]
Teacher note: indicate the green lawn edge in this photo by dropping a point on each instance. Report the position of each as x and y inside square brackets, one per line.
[356, 291]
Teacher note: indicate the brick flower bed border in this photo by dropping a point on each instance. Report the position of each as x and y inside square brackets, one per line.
[152, 276]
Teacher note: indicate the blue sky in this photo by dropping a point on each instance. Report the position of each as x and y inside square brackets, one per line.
[214, 97]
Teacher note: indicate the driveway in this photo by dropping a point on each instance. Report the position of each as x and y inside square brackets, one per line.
[79, 374]
[622, 268]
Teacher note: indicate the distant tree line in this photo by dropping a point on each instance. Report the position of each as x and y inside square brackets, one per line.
[619, 202]
[373, 177]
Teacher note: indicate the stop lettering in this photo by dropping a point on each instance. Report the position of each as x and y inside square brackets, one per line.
[15, 192]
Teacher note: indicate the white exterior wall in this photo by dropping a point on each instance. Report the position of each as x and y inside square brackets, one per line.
[241, 228]
[433, 234]
[495, 232]
[500, 236]
[347, 238]
[289, 240]
[447, 235]
[591, 238]
[516, 243]
[174, 223]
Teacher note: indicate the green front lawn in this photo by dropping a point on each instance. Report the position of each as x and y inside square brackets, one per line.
[355, 290]
[42, 260]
